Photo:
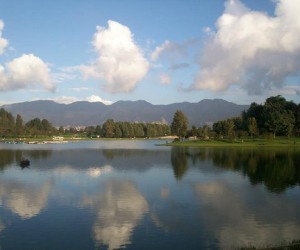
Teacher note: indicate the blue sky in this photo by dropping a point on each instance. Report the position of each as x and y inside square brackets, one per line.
[159, 51]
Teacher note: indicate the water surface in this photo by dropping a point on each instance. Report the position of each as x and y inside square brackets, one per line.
[135, 195]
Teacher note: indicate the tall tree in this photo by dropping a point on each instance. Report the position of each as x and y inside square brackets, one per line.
[39, 127]
[252, 126]
[108, 128]
[61, 130]
[256, 111]
[277, 117]
[179, 124]
[229, 128]
[19, 125]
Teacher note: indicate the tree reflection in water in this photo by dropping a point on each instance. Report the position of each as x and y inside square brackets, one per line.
[179, 160]
[277, 169]
[9, 157]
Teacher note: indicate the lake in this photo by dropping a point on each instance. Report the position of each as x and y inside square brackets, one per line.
[131, 194]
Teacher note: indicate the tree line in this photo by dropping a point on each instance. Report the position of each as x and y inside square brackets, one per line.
[15, 127]
[276, 117]
[116, 129]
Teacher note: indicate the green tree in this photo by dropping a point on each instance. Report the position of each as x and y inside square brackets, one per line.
[277, 118]
[179, 124]
[206, 131]
[61, 130]
[288, 122]
[252, 126]
[118, 130]
[256, 111]
[98, 130]
[218, 128]
[108, 128]
[39, 127]
[150, 130]
[34, 126]
[19, 125]
[7, 123]
[47, 127]
[229, 128]
[138, 129]
[90, 131]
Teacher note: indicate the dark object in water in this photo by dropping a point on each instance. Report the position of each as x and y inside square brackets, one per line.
[24, 163]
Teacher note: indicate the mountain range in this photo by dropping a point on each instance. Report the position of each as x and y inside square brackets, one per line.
[95, 113]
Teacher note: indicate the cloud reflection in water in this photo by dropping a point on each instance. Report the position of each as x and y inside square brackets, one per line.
[24, 200]
[119, 210]
[238, 221]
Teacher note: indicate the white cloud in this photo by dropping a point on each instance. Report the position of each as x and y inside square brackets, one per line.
[66, 73]
[65, 99]
[159, 50]
[289, 90]
[94, 98]
[25, 71]
[172, 51]
[70, 99]
[165, 79]
[60, 99]
[3, 42]
[251, 48]
[120, 61]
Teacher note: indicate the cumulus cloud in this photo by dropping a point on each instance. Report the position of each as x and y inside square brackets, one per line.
[25, 71]
[251, 48]
[3, 42]
[94, 98]
[165, 79]
[120, 61]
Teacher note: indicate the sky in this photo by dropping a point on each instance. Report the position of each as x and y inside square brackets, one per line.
[162, 52]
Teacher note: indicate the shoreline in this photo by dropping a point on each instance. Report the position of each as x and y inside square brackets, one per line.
[280, 142]
[73, 139]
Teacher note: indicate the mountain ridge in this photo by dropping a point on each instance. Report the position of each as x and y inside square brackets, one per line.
[83, 113]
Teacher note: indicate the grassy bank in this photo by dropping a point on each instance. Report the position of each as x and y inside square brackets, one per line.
[278, 142]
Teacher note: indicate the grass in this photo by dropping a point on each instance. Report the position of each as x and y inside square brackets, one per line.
[257, 142]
